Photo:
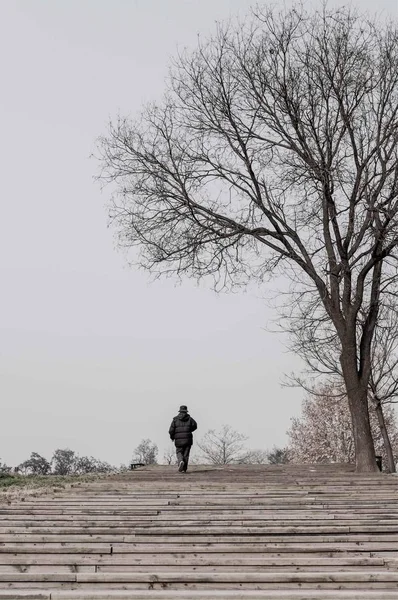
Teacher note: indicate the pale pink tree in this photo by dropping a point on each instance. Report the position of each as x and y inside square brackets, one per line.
[323, 433]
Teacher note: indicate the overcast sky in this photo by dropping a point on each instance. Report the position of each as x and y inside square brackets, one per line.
[92, 355]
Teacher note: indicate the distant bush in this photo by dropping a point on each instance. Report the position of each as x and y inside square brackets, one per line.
[4, 469]
[278, 456]
[67, 462]
[64, 462]
[89, 464]
[35, 465]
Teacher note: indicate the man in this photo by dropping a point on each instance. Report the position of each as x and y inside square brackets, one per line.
[180, 432]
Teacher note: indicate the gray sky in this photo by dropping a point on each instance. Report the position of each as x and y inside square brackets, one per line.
[92, 355]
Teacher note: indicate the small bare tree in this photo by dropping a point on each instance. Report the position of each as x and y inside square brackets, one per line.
[223, 447]
[146, 452]
[275, 151]
[254, 457]
[169, 455]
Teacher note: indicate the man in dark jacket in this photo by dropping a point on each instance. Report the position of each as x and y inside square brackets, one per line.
[180, 432]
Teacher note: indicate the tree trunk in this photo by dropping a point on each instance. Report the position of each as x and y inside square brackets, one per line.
[365, 456]
[386, 439]
[357, 393]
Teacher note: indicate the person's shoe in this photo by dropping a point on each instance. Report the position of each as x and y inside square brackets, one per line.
[181, 466]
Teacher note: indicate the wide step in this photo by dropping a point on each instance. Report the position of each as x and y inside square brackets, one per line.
[201, 595]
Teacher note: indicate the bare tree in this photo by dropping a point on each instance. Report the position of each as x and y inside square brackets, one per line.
[223, 447]
[254, 457]
[146, 452]
[169, 455]
[275, 151]
[324, 431]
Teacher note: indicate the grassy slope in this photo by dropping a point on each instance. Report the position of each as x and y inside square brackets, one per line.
[17, 487]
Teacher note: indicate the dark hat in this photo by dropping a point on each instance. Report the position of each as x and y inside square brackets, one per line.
[183, 408]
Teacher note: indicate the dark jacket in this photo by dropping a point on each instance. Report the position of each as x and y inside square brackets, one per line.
[181, 429]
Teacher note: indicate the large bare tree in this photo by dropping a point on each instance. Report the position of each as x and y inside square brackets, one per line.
[314, 340]
[275, 151]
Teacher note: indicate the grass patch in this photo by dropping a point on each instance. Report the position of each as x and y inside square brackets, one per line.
[16, 487]
[7, 481]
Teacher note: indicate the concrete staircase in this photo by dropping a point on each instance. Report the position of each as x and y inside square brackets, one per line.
[241, 532]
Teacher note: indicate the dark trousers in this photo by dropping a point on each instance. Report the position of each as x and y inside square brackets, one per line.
[183, 454]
